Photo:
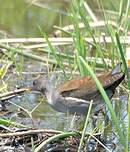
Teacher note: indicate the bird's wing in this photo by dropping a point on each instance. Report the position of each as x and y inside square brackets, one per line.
[86, 83]
[73, 84]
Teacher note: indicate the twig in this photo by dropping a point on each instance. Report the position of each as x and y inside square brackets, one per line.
[12, 93]
[29, 132]
[91, 24]
[125, 40]
[90, 12]
[45, 45]
[31, 55]
[7, 98]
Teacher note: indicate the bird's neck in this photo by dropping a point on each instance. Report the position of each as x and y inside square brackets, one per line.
[51, 94]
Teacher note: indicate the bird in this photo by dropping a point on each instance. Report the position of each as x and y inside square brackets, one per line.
[74, 96]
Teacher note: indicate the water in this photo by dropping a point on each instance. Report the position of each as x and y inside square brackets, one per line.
[20, 18]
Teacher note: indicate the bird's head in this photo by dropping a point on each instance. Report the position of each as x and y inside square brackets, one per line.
[43, 83]
[40, 84]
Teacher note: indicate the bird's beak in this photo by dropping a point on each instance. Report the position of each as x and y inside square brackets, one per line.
[33, 90]
[29, 89]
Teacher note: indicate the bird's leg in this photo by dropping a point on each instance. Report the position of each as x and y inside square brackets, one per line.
[107, 125]
[73, 123]
[95, 116]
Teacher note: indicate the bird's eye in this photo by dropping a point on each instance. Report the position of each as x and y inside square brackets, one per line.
[35, 82]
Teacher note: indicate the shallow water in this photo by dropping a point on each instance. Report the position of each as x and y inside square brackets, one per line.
[22, 18]
[44, 116]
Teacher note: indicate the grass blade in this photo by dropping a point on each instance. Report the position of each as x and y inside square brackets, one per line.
[108, 103]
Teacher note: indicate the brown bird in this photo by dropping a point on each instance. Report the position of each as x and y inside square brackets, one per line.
[74, 96]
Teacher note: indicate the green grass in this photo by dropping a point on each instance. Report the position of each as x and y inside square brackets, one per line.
[11, 123]
[101, 51]
[115, 120]
[85, 127]
[76, 58]
[55, 138]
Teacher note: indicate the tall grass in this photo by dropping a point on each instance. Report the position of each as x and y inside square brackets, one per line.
[108, 103]
[122, 54]
[82, 51]
[115, 52]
